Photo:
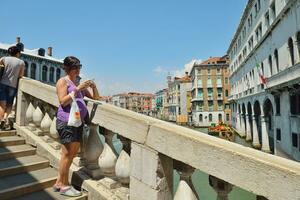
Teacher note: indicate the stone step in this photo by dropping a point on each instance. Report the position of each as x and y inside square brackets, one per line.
[11, 140]
[16, 151]
[8, 133]
[48, 194]
[20, 184]
[22, 164]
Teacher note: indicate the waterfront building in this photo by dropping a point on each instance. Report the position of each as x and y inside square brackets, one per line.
[38, 65]
[264, 75]
[138, 102]
[184, 100]
[210, 89]
[160, 103]
[173, 98]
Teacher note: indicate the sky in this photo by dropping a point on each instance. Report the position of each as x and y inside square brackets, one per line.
[125, 45]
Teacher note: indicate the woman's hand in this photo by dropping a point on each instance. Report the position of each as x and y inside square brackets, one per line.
[92, 84]
[83, 86]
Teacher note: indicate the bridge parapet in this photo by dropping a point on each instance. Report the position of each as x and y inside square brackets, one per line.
[152, 149]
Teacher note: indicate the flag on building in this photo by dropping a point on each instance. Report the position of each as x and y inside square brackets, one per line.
[262, 78]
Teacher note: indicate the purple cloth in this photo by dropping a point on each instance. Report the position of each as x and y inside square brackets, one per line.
[64, 111]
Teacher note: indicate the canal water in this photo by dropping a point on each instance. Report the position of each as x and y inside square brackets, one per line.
[200, 179]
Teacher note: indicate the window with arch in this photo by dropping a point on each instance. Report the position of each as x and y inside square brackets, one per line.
[276, 60]
[210, 117]
[58, 72]
[51, 77]
[291, 51]
[220, 117]
[270, 65]
[44, 73]
[33, 71]
[200, 118]
[226, 93]
[227, 117]
[26, 69]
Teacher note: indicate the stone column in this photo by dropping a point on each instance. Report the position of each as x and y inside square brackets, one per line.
[265, 136]
[221, 187]
[21, 107]
[92, 148]
[248, 129]
[151, 174]
[255, 142]
[242, 129]
[238, 124]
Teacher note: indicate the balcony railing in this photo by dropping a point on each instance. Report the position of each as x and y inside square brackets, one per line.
[151, 150]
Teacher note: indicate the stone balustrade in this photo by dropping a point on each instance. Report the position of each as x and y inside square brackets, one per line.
[150, 150]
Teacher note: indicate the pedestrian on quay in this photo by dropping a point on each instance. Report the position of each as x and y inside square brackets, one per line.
[67, 89]
[13, 70]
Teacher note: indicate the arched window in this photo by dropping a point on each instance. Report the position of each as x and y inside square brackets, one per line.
[262, 68]
[44, 73]
[51, 77]
[270, 65]
[226, 93]
[220, 117]
[26, 69]
[33, 71]
[298, 43]
[291, 50]
[57, 74]
[200, 118]
[276, 59]
[210, 117]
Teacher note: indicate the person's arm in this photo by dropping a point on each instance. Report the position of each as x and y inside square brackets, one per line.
[94, 94]
[62, 91]
[21, 73]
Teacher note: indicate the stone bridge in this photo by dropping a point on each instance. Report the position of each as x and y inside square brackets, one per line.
[151, 150]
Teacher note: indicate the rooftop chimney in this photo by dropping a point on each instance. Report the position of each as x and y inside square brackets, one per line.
[18, 40]
[49, 51]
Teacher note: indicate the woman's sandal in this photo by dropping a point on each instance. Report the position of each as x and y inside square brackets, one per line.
[69, 191]
[56, 188]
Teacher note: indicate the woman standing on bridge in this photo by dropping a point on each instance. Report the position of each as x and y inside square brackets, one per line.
[13, 70]
[67, 89]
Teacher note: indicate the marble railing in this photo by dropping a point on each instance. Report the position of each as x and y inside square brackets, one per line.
[152, 149]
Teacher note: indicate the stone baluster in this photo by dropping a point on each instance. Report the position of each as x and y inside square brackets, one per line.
[45, 128]
[261, 198]
[185, 189]
[28, 115]
[54, 135]
[108, 158]
[92, 148]
[122, 168]
[221, 187]
[37, 117]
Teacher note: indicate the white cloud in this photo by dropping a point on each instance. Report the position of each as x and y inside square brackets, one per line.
[187, 68]
[160, 71]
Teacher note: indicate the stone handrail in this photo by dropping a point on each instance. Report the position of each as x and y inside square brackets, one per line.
[263, 174]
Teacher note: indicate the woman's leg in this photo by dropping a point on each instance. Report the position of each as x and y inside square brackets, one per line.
[2, 109]
[73, 149]
[68, 152]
